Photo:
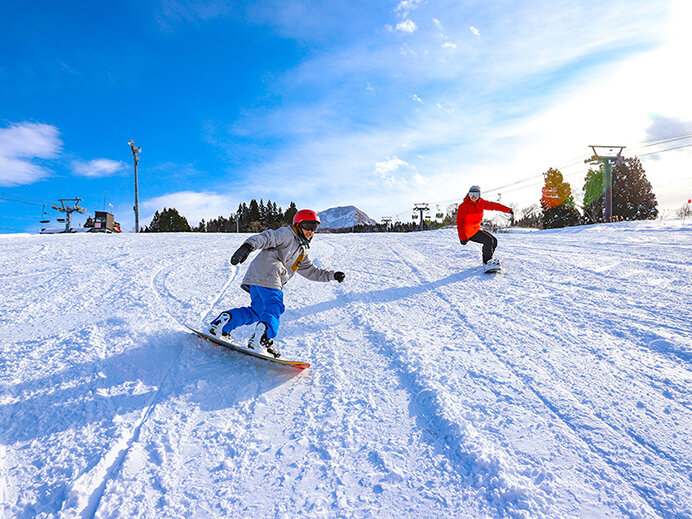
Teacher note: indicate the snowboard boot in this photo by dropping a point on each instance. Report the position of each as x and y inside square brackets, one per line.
[218, 324]
[493, 265]
[270, 346]
[261, 343]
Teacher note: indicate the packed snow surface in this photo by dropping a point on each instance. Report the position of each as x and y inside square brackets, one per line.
[560, 388]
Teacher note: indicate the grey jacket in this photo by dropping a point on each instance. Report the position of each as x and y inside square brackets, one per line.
[283, 253]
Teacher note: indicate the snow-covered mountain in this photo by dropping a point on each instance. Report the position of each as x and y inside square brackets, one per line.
[344, 217]
[561, 388]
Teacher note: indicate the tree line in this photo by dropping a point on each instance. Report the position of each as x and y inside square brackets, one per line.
[253, 217]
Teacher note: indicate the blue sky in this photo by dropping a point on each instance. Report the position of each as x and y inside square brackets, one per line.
[375, 104]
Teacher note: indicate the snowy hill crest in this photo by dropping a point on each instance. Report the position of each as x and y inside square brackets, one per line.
[559, 389]
[344, 217]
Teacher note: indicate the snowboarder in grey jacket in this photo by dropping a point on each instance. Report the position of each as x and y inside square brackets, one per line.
[284, 252]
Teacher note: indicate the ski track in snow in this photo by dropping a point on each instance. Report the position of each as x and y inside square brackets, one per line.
[560, 388]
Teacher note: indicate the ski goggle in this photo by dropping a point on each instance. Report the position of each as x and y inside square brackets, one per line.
[309, 225]
[474, 195]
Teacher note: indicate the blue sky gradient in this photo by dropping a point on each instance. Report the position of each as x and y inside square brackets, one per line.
[376, 104]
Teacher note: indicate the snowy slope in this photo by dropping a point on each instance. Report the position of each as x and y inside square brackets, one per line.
[561, 388]
[344, 217]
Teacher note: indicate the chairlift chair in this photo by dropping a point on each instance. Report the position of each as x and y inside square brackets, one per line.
[44, 216]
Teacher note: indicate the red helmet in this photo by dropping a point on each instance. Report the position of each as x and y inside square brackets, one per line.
[305, 215]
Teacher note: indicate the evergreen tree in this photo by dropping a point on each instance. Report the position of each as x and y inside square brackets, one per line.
[169, 220]
[253, 211]
[557, 202]
[89, 222]
[290, 213]
[244, 217]
[262, 209]
[633, 198]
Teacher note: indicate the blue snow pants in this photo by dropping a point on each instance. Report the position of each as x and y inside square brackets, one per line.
[267, 306]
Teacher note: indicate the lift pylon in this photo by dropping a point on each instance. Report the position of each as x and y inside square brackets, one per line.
[69, 206]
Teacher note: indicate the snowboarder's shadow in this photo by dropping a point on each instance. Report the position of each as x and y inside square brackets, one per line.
[385, 295]
[104, 390]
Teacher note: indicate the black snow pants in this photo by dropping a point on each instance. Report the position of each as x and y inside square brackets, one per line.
[489, 243]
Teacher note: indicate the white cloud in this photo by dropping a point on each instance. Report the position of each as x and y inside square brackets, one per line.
[506, 134]
[385, 168]
[97, 167]
[406, 26]
[663, 127]
[20, 145]
[417, 99]
[449, 45]
[193, 205]
[406, 6]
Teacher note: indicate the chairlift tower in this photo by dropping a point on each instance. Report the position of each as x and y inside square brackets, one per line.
[607, 155]
[68, 209]
[421, 208]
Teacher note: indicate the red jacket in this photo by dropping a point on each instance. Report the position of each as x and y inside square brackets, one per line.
[470, 214]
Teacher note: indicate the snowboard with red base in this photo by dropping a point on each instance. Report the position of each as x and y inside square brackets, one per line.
[242, 349]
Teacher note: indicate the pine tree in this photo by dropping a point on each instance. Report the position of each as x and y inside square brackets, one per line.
[633, 198]
[290, 213]
[253, 211]
[169, 220]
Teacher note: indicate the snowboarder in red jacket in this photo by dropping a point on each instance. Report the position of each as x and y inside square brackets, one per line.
[469, 217]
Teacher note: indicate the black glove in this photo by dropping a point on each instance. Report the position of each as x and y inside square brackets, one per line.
[464, 242]
[511, 212]
[339, 276]
[241, 254]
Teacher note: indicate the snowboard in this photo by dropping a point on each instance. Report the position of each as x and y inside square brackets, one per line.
[242, 349]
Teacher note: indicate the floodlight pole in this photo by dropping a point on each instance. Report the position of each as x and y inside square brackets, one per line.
[135, 155]
[421, 208]
[606, 159]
